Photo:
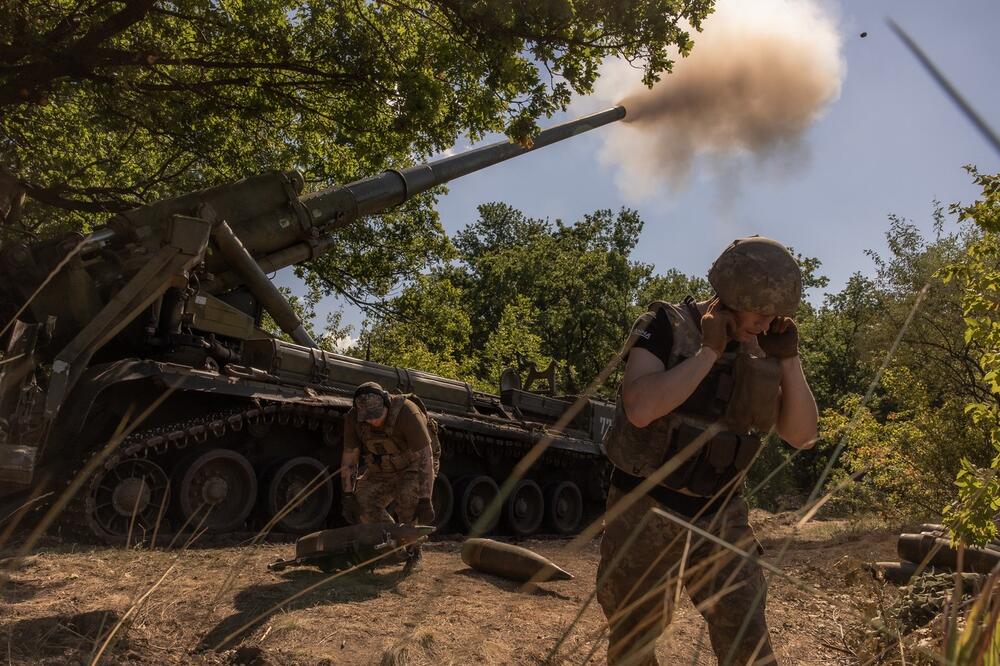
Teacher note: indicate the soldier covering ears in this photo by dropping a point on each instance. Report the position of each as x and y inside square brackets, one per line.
[703, 384]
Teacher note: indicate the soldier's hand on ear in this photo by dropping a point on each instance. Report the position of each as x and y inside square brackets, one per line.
[716, 325]
[781, 339]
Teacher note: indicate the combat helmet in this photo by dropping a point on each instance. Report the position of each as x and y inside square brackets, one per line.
[370, 401]
[757, 274]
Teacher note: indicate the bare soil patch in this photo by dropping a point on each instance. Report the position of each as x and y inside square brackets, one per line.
[222, 606]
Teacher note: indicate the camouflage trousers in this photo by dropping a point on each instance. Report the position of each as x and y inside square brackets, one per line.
[377, 490]
[639, 591]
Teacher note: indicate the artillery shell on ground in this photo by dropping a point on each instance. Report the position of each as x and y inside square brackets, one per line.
[941, 531]
[511, 562]
[897, 573]
[344, 547]
[900, 573]
[918, 547]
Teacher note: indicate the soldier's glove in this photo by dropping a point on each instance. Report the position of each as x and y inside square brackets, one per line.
[715, 326]
[349, 508]
[425, 511]
[781, 340]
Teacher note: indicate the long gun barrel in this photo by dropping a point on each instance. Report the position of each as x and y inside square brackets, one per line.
[336, 207]
[280, 228]
[375, 194]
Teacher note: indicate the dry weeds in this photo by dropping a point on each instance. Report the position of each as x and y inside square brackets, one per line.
[443, 613]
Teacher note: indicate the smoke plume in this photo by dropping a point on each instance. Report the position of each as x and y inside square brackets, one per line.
[759, 74]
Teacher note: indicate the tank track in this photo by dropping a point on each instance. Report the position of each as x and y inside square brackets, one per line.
[177, 436]
[157, 441]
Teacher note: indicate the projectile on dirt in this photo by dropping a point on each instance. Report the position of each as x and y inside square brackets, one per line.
[511, 562]
[939, 552]
[900, 573]
[344, 547]
[897, 573]
[942, 532]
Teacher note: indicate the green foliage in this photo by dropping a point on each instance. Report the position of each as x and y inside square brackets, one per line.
[373, 258]
[673, 286]
[906, 457]
[977, 274]
[905, 443]
[547, 290]
[515, 334]
[985, 212]
[106, 106]
[429, 332]
[973, 637]
[578, 278]
[833, 342]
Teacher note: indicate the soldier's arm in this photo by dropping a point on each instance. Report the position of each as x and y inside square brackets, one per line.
[797, 413]
[650, 391]
[427, 472]
[351, 456]
[413, 426]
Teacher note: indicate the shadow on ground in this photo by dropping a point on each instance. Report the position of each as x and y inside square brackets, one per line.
[512, 586]
[256, 604]
[60, 634]
[14, 591]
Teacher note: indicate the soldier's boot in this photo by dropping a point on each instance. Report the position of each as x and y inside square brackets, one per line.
[414, 558]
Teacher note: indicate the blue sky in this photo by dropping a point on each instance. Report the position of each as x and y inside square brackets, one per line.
[891, 143]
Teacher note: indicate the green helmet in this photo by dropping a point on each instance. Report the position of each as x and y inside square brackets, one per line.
[757, 274]
[370, 401]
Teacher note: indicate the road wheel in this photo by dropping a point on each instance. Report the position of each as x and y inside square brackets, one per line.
[129, 499]
[443, 499]
[564, 507]
[475, 497]
[524, 509]
[217, 490]
[300, 490]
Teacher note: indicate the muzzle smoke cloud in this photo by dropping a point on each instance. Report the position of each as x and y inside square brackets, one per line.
[760, 73]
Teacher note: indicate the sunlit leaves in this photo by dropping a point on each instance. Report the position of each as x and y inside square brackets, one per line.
[546, 290]
[972, 516]
[196, 93]
[191, 93]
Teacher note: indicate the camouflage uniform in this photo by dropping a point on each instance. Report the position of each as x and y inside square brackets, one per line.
[399, 460]
[697, 452]
[637, 593]
[376, 490]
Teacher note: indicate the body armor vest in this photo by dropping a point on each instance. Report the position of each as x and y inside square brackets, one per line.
[386, 449]
[739, 394]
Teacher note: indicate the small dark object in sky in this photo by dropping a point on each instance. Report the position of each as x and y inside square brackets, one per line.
[863, 35]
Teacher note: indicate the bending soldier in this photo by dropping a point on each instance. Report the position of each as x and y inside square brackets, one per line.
[392, 433]
[703, 383]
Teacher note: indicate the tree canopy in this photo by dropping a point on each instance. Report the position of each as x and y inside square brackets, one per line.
[547, 290]
[108, 105]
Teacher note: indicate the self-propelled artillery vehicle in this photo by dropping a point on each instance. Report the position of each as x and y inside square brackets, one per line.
[136, 362]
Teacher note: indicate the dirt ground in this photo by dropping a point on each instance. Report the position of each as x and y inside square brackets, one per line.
[221, 606]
